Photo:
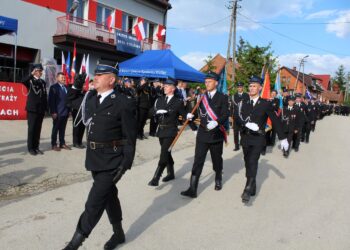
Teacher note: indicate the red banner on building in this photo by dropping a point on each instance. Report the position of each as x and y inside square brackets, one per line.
[13, 97]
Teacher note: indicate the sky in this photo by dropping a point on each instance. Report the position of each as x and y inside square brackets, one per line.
[317, 28]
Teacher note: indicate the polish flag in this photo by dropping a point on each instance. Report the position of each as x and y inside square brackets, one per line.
[139, 29]
[87, 79]
[63, 64]
[83, 66]
[160, 33]
[110, 21]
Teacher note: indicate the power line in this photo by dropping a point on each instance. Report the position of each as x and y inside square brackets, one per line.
[291, 38]
[201, 27]
[301, 23]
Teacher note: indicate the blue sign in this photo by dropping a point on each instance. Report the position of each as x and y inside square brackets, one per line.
[127, 43]
[8, 25]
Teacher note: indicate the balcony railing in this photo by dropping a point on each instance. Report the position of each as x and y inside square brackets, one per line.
[69, 25]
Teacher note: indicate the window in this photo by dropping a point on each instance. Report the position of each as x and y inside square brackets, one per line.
[81, 11]
[130, 24]
[103, 13]
[151, 29]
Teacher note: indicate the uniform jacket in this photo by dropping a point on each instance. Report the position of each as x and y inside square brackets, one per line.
[219, 104]
[275, 102]
[168, 122]
[237, 98]
[37, 95]
[311, 112]
[57, 100]
[257, 114]
[302, 109]
[144, 94]
[112, 120]
[290, 120]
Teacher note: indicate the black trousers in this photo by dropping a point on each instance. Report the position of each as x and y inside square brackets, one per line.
[251, 159]
[165, 158]
[59, 127]
[153, 126]
[236, 130]
[103, 196]
[201, 152]
[35, 121]
[306, 131]
[296, 138]
[141, 120]
[78, 131]
[313, 126]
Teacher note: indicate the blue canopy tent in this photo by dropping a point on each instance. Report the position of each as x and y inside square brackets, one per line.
[10, 26]
[159, 64]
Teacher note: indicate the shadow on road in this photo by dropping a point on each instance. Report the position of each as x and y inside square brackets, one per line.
[7, 162]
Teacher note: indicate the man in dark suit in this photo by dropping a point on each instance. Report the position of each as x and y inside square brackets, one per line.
[156, 93]
[74, 98]
[214, 112]
[301, 108]
[290, 118]
[110, 118]
[36, 107]
[285, 95]
[167, 108]
[237, 98]
[59, 112]
[315, 112]
[252, 117]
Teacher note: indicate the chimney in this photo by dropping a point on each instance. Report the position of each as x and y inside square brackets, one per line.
[294, 68]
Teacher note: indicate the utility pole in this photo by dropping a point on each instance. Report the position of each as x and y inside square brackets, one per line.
[302, 60]
[234, 41]
[230, 7]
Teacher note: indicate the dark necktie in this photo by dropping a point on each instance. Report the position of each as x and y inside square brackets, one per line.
[166, 100]
[98, 100]
[209, 96]
[252, 103]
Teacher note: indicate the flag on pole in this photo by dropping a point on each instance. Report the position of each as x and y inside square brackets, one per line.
[73, 63]
[308, 94]
[160, 33]
[279, 90]
[87, 79]
[139, 29]
[63, 64]
[265, 93]
[68, 68]
[110, 21]
[222, 86]
[82, 66]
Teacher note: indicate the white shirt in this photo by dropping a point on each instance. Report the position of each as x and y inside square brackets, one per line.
[212, 93]
[254, 100]
[290, 107]
[169, 98]
[105, 94]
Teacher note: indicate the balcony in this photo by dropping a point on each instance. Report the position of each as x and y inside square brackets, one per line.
[95, 35]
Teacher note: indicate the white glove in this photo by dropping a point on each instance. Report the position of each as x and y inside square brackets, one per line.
[189, 116]
[252, 126]
[161, 111]
[212, 124]
[284, 145]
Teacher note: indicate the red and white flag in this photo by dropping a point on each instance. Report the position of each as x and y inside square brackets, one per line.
[110, 21]
[83, 66]
[63, 64]
[160, 33]
[139, 29]
[87, 79]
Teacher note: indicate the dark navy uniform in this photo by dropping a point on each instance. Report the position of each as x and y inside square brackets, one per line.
[310, 111]
[211, 140]
[167, 131]
[301, 108]
[290, 118]
[254, 141]
[237, 98]
[144, 104]
[36, 107]
[111, 139]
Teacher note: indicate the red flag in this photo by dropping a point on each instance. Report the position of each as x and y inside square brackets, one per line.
[87, 79]
[110, 21]
[265, 94]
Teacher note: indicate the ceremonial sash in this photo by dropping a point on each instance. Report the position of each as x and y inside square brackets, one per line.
[213, 116]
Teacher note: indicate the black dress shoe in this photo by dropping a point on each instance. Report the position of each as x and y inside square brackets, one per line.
[263, 152]
[117, 238]
[296, 149]
[192, 190]
[171, 175]
[140, 137]
[39, 152]
[32, 152]
[80, 146]
[75, 242]
[218, 185]
[236, 148]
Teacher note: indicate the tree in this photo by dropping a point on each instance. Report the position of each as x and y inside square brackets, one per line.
[252, 59]
[340, 78]
[210, 64]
